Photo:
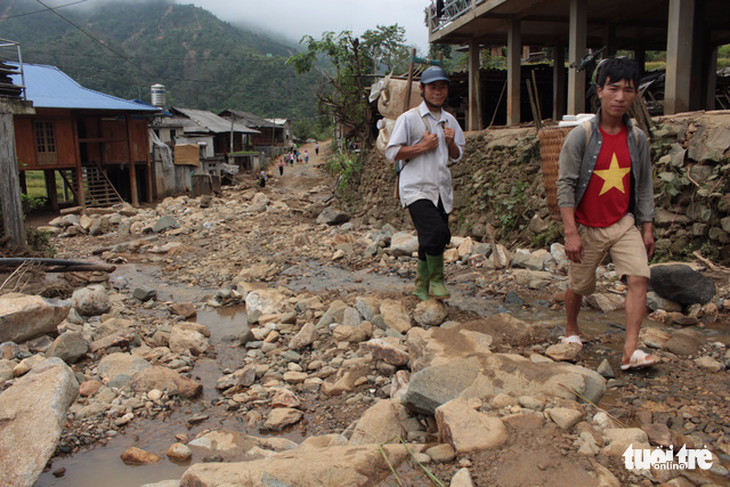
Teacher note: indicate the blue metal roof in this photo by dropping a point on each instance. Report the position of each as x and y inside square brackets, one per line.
[48, 87]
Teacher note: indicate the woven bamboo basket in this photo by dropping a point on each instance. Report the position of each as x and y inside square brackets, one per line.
[551, 142]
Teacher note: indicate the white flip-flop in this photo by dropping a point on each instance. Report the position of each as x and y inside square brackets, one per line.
[574, 339]
[640, 359]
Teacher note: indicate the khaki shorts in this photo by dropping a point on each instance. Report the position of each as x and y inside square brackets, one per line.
[622, 241]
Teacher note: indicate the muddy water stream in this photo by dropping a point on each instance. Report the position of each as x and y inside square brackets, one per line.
[102, 465]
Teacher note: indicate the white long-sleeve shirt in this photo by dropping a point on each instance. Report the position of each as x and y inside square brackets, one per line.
[426, 176]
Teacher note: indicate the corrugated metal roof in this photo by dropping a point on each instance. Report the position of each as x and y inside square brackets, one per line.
[48, 87]
[211, 122]
[248, 118]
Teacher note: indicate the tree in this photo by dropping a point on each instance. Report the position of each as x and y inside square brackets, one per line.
[386, 45]
[344, 97]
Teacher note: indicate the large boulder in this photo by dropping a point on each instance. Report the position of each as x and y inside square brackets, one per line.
[307, 465]
[32, 415]
[91, 300]
[486, 375]
[681, 284]
[167, 380]
[380, 423]
[23, 317]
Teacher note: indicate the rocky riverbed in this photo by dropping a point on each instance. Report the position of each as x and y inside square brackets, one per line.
[264, 337]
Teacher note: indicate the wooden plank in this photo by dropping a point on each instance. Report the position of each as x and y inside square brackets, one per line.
[9, 183]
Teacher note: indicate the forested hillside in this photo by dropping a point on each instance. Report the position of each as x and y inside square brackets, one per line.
[121, 47]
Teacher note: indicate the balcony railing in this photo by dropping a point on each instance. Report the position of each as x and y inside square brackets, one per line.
[11, 63]
[451, 11]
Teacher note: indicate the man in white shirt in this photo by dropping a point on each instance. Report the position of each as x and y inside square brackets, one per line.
[424, 141]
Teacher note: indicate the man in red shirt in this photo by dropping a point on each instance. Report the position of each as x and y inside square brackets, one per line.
[604, 191]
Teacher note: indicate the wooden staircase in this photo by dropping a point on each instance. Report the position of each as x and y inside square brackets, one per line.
[98, 189]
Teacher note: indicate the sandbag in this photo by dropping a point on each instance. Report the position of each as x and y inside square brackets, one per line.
[391, 102]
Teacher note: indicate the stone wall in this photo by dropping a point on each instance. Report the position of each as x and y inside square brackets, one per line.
[499, 185]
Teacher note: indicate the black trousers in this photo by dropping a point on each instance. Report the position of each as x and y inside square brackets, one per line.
[432, 226]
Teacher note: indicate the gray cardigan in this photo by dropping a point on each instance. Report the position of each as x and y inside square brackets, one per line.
[578, 159]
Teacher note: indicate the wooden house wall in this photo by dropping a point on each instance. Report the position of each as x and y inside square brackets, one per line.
[65, 139]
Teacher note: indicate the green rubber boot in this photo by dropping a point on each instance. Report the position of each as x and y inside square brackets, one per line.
[422, 278]
[436, 269]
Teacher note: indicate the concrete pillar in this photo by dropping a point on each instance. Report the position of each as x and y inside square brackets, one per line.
[640, 57]
[559, 87]
[514, 71]
[576, 50]
[475, 90]
[679, 54]
[711, 80]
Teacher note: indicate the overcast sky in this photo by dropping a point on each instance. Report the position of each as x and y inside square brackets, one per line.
[295, 18]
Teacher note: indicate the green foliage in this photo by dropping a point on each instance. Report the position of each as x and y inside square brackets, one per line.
[344, 96]
[203, 62]
[317, 129]
[347, 166]
[386, 46]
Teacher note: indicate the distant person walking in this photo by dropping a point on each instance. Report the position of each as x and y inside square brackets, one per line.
[281, 166]
[316, 148]
[306, 156]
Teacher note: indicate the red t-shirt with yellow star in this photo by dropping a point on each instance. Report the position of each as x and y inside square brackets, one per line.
[606, 199]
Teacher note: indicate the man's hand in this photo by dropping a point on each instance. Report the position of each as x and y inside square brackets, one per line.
[647, 235]
[429, 141]
[449, 134]
[574, 248]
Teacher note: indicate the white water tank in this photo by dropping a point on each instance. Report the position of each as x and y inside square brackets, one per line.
[157, 94]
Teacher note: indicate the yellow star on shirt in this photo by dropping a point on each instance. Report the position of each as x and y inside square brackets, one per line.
[613, 177]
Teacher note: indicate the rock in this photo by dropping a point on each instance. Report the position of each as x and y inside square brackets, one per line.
[389, 350]
[468, 430]
[244, 377]
[307, 465]
[659, 434]
[654, 301]
[605, 369]
[346, 378]
[333, 216]
[266, 301]
[380, 423]
[156, 377]
[709, 364]
[186, 310]
[23, 317]
[306, 336]
[137, 456]
[403, 243]
[528, 260]
[533, 279]
[565, 418]
[9, 350]
[234, 443]
[462, 477]
[653, 337]
[430, 313]
[188, 341]
[284, 398]
[349, 334]
[91, 301]
[488, 374]
[179, 452]
[395, 315]
[69, 347]
[144, 293]
[163, 223]
[619, 439]
[89, 388]
[121, 363]
[443, 453]
[436, 385]
[32, 417]
[685, 342]
[606, 302]
[280, 418]
[681, 283]
[119, 338]
[564, 352]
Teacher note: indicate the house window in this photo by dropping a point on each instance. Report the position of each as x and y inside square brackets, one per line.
[45, 143]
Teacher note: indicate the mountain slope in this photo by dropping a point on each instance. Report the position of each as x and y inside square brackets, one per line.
[122, 47]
